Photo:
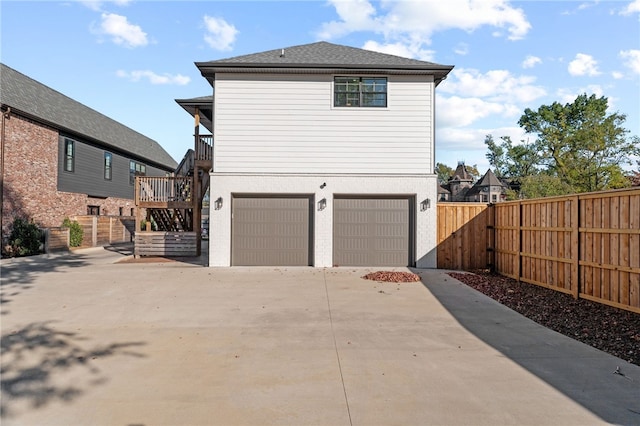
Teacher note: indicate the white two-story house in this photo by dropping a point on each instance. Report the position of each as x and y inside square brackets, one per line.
[323, 156]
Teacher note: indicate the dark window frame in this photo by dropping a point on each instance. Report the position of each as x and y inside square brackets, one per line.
[136, 169]
[108, 165]
[69, 156]
[360, 92]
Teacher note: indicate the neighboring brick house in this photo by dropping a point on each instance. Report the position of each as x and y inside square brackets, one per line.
[61, 158]
[460, 183]
[488, 189]
[323, 156]
[460, 187]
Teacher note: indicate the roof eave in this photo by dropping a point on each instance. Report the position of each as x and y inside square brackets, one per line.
[209, 69]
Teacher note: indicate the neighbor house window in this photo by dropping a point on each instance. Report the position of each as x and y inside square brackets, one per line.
[136, 169]
[360, 92]
[93, 210]
[69, 155]
[108, 158]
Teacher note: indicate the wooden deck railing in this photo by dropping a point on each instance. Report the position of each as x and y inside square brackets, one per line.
[163, 189]
[204, 147]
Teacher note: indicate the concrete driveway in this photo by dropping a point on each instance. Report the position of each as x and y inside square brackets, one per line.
[89, 340]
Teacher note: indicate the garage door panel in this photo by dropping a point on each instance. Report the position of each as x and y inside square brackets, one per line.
[371, 232]
[271, 231]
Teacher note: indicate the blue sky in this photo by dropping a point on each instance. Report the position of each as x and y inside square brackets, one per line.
[130, 59]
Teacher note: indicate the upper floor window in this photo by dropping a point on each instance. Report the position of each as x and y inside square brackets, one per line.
[360, 92]
[136, 169]
[69, 155]
[108, 159]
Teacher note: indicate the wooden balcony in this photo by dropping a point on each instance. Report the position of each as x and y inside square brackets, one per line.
[164, 192]
[204, 151]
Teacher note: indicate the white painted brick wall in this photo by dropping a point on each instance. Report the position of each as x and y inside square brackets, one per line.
[225, 184]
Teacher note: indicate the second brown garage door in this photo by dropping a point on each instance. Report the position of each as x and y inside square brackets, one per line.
[372, 232]
[271, 231]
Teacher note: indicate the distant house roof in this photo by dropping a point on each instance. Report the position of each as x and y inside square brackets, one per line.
[489, 179]
[461, 174]
[41, 103]
[323, 57]
[443, 190]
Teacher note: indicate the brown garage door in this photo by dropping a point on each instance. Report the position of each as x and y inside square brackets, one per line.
[271, 231]
[372, 232]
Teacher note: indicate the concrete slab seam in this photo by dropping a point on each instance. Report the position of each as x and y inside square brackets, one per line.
[335, 345]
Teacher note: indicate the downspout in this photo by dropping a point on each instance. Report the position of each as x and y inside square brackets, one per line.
[5, 116]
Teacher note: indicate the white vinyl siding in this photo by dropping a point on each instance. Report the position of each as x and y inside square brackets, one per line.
[287, 124]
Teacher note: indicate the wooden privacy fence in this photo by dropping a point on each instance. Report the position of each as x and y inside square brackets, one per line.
[586, 245]
[165, 244]
[464, 239]
[105, 230]
[56, 238]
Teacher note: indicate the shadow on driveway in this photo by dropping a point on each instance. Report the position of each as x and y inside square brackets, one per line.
[584, 374]
[41, 364]
[18, 274]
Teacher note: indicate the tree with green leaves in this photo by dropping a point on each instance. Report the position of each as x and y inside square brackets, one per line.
[581, 143]
[444, 172]
[512, 161]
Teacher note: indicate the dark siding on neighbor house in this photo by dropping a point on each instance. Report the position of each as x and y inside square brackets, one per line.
[88, 175]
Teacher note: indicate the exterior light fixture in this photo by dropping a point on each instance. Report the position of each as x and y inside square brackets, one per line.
[425, 204]
[322, 204]
[218, 203]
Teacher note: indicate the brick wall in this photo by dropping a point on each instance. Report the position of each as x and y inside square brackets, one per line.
[30, 177]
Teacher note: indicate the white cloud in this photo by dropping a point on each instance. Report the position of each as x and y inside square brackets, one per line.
[121, 31]
[583, 64]
[462, 49]
[417, 21]
[495, 85]
[617, 75]
[97, 4]
[632, 59]
[154, 78]
[400, 49]
[569, 95]
[455, 144]
[220, 34]
[531, 61]
[456, 111]
[633, 7]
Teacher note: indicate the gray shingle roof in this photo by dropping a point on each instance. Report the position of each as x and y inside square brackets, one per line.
[489, 179]
[324, 55]
[28, 96]
[204, 105]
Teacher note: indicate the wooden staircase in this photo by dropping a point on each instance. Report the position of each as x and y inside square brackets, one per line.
[169, 208]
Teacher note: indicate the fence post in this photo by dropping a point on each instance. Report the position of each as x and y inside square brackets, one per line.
[47, 235]
[491, 237]
[575, 245]
[94, 231]
[519, 241]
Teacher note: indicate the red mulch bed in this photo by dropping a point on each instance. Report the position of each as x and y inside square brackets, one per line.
[609, 329]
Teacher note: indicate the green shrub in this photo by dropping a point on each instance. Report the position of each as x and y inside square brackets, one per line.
[25, 238]
[75, 232]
